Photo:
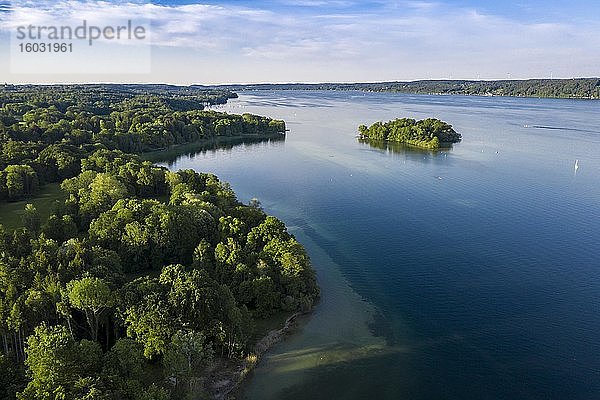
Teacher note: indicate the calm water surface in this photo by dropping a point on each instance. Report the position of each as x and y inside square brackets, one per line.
[472, 273]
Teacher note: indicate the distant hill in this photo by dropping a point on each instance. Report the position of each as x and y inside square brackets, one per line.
[577, 88]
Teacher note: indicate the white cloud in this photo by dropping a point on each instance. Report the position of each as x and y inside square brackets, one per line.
[401, 40]
[317, 3]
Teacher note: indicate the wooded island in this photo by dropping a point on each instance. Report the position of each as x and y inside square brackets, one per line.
[429, 133]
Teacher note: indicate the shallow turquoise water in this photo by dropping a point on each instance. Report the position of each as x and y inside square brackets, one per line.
[471, 273]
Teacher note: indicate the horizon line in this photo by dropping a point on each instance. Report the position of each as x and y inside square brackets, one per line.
[296, 82]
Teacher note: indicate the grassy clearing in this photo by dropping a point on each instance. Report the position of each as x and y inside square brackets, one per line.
[11, 213]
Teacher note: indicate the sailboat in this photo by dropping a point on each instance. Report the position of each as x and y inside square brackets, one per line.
[576, 165]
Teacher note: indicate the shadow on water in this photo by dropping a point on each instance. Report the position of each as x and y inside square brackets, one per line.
[346, 371]
[327, 370]
[402, 148]
[171, 155]
[381, 325]
[343, 371]
[409, 152]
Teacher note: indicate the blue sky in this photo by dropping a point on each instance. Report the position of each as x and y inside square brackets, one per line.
[195, 41]
[538, 10]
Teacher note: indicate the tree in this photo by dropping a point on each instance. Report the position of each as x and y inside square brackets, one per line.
[187, 353]
[11, 379]
[271, 228]
[124, 368]
[255, 203]
[20, 181]
[154, 392]
[428, 133]
[60, 161]
[148, 316]
[31, 219]
[104, 191]
[56, 362]
[92, 296]
[151, 324]
[60, 228]
[125, 359]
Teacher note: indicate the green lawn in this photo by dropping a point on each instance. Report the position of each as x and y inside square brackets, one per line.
[11, 213]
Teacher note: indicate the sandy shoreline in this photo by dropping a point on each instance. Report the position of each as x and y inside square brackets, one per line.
[224, 377]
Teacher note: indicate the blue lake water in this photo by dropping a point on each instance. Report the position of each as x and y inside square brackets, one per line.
[471, 273]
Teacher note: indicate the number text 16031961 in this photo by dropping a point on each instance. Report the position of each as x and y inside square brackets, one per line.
[45, 47]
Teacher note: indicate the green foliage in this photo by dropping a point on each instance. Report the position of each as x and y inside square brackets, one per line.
[11, 378]
[17, 182]
[150, 234]
[60, 228]
[577, 88]
[154, 392]
[141, 273]
[48, 132]
[150, 321]
[428, 133]
[31, 219]
[186, 355]
[101, 194]
[92, 296]
[125, 360]
[57, 363]
[124, 368]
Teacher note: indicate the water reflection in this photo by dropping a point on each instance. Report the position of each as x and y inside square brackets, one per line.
[171, 156]
[408, 152]
[403, 148]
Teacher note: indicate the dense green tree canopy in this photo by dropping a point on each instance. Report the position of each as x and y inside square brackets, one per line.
[141, 276]
[577, 88]
[430, 133]
[60, 367]
[46, 132]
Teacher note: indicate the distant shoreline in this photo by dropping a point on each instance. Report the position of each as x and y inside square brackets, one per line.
[571, 89]
[576, 88]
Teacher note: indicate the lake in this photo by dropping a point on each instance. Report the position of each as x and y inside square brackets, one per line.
[469, 273]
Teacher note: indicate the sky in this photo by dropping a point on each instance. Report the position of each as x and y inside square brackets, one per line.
[222, 42]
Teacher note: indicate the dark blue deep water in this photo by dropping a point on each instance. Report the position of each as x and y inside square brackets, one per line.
[470, 273]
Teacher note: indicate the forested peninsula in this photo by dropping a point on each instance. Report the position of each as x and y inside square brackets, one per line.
[46, 131]
[429, 133]
[143, 281]
[576, 88]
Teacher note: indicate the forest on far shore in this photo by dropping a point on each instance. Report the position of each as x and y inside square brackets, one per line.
[576, 88]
